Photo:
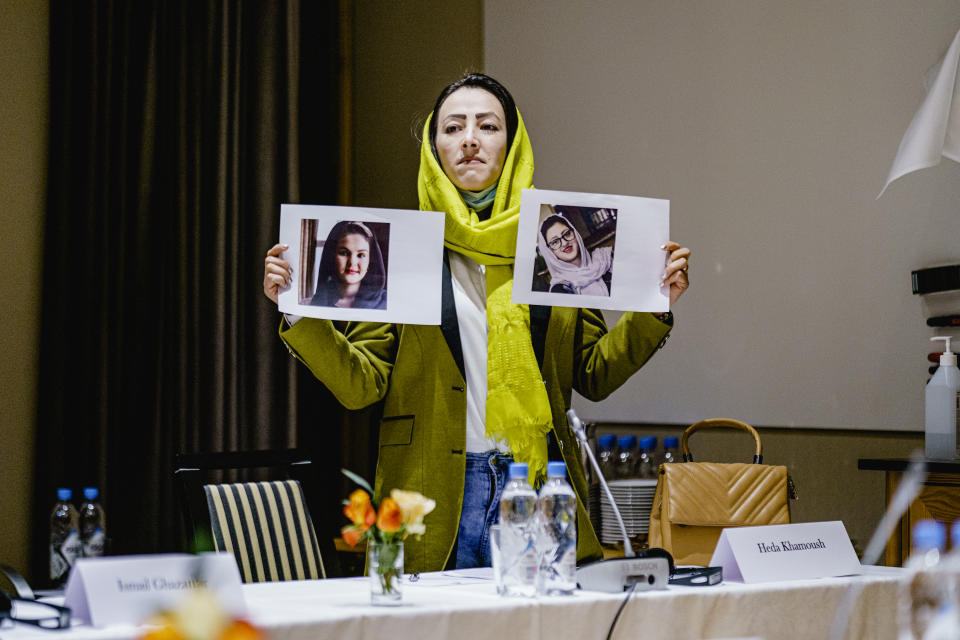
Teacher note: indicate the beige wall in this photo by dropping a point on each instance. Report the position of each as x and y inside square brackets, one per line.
[770, 125]
[24, 38]
[404, 53]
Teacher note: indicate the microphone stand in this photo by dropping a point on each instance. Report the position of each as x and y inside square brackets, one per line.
[581, 433]
[617, 574]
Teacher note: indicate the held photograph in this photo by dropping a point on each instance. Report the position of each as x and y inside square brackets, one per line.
[575, 250]
[591, 250]
[345, 268]
[362, 264]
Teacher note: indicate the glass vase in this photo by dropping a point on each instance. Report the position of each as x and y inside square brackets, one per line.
[385, 571]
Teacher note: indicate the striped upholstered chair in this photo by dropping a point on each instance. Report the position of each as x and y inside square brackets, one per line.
[266, 524]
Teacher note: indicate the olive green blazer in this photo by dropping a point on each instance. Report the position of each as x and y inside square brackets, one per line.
[418, 371]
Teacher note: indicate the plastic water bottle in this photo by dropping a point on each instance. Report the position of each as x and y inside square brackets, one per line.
[518, 534]
[557, 507]
[93, 527]
[671, 449]
[920, 588]
[65, 545]
[646, 461]
[626, 457]
[606, 455]
[942, 397]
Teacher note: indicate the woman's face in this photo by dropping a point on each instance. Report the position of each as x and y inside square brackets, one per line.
[353, 258]
[471, 138]
[562, 241]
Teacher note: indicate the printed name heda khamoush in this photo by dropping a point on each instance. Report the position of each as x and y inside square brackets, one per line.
[786, 545]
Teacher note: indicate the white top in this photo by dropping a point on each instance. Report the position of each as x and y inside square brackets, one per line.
[470, 298]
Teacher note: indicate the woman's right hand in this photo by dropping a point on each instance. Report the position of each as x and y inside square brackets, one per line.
[276, 272]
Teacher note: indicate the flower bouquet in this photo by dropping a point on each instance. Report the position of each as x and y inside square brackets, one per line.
[200, 616]
[384, 527]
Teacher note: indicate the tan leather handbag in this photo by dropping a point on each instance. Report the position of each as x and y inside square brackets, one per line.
[695, 501]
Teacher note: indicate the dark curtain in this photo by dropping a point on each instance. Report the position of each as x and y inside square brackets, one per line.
[176, 131]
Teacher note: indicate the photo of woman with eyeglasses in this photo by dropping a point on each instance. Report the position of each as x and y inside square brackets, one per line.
[352, 271]
[570, 265]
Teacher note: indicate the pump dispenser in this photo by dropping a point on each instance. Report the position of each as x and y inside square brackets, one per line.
[941, 407]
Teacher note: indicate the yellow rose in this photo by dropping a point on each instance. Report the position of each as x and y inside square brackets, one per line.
[414, 507]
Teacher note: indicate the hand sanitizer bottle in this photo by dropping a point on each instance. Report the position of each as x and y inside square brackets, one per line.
[941, 407]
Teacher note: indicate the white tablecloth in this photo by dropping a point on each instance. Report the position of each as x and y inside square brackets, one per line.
[463, 606]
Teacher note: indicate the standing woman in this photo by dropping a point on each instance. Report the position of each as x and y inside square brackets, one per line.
[351, 273]
[572, 268]
[492, 383]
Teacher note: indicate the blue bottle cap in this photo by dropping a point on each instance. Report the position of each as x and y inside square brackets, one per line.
[929, 534]
[556, 469]
[671, 442]
[627, 442]
[607, 441]
[518, 470]
[648, 442]
[90, 493]
[64, 494]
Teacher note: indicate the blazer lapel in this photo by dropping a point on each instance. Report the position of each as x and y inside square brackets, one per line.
[539, 319]
[448, 317]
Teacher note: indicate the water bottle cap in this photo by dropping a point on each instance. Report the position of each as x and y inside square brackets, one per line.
[556, 469]
[91, 493]
[64, 494]
[671, 442]
[607, 441]
[929, 534]
[648, 442]
[518, 470]
[627, 442]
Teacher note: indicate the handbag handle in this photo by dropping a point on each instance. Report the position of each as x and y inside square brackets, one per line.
[713, 423]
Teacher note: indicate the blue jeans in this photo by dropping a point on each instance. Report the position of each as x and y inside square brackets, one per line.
[486, 475]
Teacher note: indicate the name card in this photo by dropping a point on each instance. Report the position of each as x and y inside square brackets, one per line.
[130, 589]
[785, 552]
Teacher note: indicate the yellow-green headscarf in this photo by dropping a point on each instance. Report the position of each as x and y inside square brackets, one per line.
[518, 409]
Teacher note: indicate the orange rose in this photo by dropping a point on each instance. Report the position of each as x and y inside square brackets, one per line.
[359, 510]
[165, 632]
[241, 630]
[390, 518]
[351, 535]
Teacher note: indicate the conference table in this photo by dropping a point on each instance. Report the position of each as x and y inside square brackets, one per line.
[464, 605]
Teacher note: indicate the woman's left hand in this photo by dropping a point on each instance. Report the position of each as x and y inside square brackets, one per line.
[676, 275]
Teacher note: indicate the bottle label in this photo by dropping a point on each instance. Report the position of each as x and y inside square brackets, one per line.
[72, 548]
[93, 545]
[63, 555]
[58, 565]
[528, 565]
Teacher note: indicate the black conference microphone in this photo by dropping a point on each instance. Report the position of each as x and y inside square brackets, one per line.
[646, 573]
